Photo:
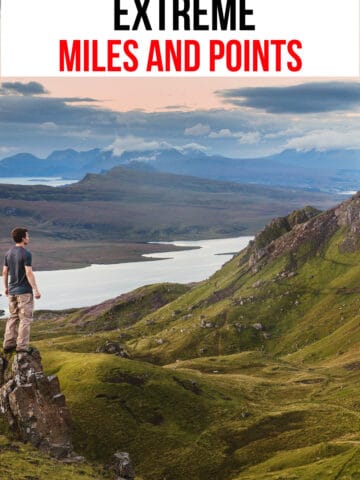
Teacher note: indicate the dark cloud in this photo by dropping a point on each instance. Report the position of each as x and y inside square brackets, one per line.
[304, 98]
[78, 100]
[19, 88]
[175, 107]
[66, 111]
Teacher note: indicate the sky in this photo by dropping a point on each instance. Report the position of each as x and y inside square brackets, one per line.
[239, 118]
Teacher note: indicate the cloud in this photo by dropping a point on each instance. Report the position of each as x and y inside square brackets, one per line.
[197, 130]
[19, 88]
[249, 138]
[326, 140]
[29, 109]
[175, 107]
[78, 100]
[288, 132]
[298, 99]
[144, 158]
[193, 146]
[40, 124]
[223, 133]
[132, 143]
[6, 150]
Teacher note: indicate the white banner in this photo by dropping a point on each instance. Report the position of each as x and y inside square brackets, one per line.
[302, 38]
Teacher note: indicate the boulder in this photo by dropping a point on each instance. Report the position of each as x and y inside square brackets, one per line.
[121, 466]
[205, 324]
[113, 348]
[33, 404]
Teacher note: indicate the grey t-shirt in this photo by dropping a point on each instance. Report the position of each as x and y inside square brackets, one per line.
[16, 259]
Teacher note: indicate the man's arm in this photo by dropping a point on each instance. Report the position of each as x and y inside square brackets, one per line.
[5, 274]
[31, 279]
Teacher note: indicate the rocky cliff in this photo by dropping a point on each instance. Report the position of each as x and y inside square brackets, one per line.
[33, 404]
[307, 227]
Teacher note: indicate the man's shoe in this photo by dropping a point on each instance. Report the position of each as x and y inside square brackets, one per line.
[27, 349]
[9, 349]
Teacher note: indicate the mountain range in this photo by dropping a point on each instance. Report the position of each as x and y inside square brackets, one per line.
[334, 170]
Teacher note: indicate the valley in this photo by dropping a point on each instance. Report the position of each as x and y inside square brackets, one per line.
[251, 374]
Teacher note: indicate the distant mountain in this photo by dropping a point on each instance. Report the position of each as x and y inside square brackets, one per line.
[335, 170]
[65, 163]
[136, 205]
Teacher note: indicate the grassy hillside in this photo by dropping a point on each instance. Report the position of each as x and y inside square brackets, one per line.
[110, 213]
[22, 462]
[253, 374]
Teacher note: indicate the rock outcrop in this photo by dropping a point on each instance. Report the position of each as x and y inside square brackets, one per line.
[121, 466]
[113, 348]
[33, 404]
[348, 215]
[307, 229]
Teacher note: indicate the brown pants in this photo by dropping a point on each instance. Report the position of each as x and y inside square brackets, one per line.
[17, 331]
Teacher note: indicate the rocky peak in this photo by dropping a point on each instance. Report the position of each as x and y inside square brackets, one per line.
[277, 228]
[348, 215]
[288, 234]
[33, 404]
[348, 212]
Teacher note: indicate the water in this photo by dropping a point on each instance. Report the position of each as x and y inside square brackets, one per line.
[350, 192]
[91, 285]
[49, 181]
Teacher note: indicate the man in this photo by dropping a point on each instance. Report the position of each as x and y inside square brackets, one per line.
[20, 287]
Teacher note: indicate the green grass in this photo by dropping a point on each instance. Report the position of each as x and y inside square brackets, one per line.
[22, 462]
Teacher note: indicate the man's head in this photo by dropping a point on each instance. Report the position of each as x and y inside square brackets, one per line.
[20, 235]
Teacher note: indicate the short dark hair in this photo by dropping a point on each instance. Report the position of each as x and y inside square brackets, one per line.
[18, 234]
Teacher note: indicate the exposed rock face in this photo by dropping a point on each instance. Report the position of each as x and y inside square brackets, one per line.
[278, 228]
[33, 404]
[121, 466]
[348, 215]
[307, 228]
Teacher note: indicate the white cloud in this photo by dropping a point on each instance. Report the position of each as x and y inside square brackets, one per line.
[131, 143]
[283, 133]
[6, 150]
[223, 133]
[197, 130]
[326, 140]
[249, 138]
[194, 146]
[145, 158]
